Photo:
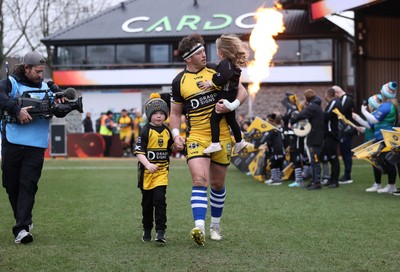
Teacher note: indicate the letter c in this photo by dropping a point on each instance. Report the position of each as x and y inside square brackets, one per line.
[126, 28]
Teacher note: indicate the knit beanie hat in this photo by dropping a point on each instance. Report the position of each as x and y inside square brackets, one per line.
[155, 104]
[309, 94]
[274, 119]
[375, 101]
[389, 89]
[271, 117]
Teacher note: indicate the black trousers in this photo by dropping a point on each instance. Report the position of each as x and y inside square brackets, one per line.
[315, 155]
[154, 202]
[330, 150]
[347, 154]
[107, 148]
[230, 119]
[22, 168]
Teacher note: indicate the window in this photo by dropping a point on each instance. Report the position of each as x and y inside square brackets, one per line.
[131, 53]
[67, 55]
[314, 50]
[303, 50]
[100, 54]
[287, 51]
[159, 53]
[212, 53]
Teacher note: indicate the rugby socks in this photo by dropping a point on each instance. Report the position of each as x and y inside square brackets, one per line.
[199, 205]
[307, 171]
[217, 201]
[298, 175]
[275, 174]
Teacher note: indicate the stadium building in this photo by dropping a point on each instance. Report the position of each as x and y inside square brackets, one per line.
[119, 56]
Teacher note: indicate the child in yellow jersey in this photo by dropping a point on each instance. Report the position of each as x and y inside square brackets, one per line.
[153, 149]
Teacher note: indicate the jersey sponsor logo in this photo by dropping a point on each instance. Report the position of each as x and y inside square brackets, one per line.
[157, 155]
[202, 101]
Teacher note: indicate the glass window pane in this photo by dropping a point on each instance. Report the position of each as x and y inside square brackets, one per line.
[287, 50]
[100, 54]
[131, 53]
[315, 50]
[159, 53]
[67, 55]
[212, 53]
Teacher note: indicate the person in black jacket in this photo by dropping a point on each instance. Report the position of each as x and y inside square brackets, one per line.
[346, 136]
[87, 123]
[294, 142]
[331, 137]
[313, 112]
[276, 149]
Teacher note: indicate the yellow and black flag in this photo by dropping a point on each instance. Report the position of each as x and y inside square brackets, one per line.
[251, 159]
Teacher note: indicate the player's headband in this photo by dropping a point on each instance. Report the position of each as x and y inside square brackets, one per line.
[193, 51]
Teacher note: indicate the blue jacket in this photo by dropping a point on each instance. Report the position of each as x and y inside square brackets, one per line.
[35, 133]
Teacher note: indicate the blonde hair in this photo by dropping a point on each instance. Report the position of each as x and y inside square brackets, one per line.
[233, 48]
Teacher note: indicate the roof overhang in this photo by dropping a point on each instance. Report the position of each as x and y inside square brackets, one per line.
[323, 8]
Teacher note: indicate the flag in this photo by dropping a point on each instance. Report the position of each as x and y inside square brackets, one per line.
[391, 138]
[371, 150]
[251, 159]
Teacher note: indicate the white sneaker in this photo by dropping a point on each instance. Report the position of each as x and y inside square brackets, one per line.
[374, 188]
[30, 227]
[215, 233]
[325, 181]
[276, 182]
[345, 181]
[239, 146]
[268, 181]
[213, 147]
[389, 189]
[23, 237]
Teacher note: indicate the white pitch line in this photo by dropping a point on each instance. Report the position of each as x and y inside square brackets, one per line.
[98, 168]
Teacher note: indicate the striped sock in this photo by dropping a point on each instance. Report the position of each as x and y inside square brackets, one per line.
[199, 205]
[275, 174]
[297, 175]
[217, 201]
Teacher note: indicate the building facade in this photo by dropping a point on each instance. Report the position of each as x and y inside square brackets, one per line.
[119, 56]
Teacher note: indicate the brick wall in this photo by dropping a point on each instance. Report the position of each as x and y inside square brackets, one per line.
[268, 99]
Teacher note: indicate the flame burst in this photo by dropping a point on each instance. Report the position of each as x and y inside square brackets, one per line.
[269, 23]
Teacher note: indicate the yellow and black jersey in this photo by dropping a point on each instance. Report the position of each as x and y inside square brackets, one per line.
[136, 126]
[125, 123]
[155, 143]
[198, 104]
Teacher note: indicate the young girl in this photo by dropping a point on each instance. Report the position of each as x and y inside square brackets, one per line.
[276, 150]
[153, 149]
[373, 104]
[233, 54]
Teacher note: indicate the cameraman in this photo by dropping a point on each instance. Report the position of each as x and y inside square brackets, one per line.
[24, 141]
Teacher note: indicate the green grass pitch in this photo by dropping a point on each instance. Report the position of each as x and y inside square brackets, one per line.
[87, 217]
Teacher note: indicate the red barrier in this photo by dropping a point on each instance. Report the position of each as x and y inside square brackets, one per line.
[85, 145]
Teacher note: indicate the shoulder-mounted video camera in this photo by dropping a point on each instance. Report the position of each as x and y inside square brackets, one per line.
[46, 108]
